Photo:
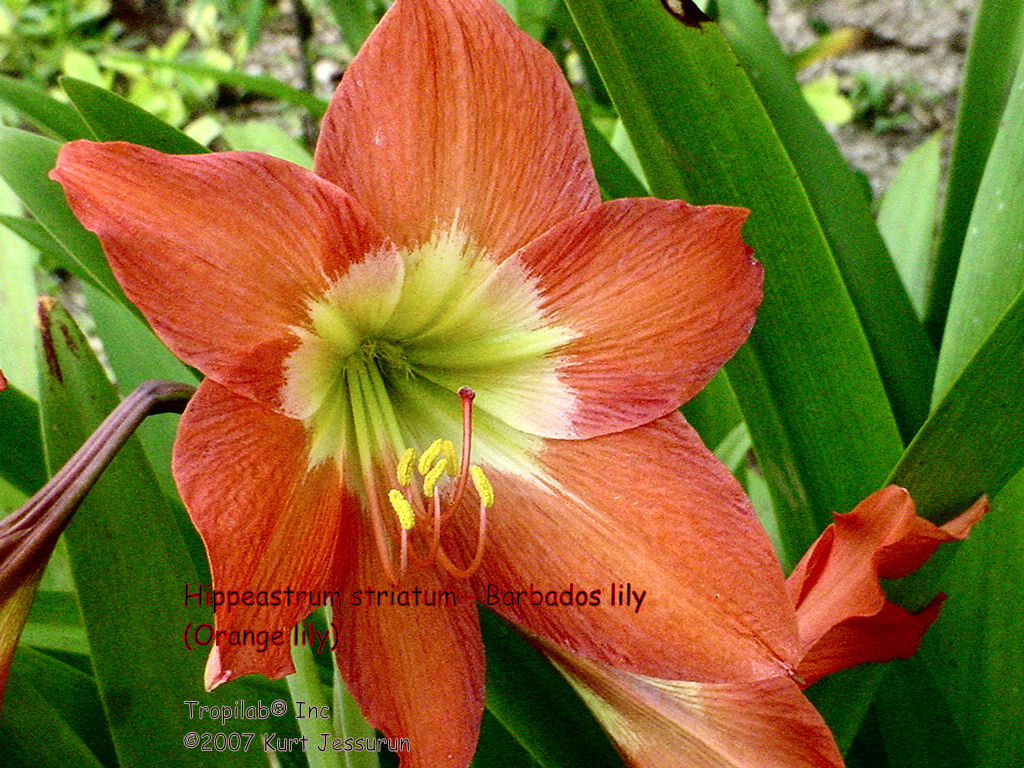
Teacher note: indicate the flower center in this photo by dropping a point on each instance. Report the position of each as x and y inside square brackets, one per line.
[380, 360]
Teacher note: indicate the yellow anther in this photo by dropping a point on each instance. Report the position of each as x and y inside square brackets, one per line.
[430, 481]
[402, 507]
[483, 485]
[451, 458]
[404, 470]
[430, 456]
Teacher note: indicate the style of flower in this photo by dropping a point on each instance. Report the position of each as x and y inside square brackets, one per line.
[844, 619]
[451, 241]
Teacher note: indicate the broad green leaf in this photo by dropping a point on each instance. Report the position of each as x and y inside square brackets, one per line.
[42, 109]
[261, 84]
[25, 161]
[115, 119]
[818, 414]
[537, 706]
[35, 234]
[973, 443]
[975, 649]
[17, 301]
[21, 459]
[916, 724]
[614, 176]
[991, 271]
[32, 734]
[498, 748]
[902, 351]
[530, 15]
[73, 695]
[355, 20]
[906, 218]
[135, 354]
[130, 567]
[259, 136]
[996, 47]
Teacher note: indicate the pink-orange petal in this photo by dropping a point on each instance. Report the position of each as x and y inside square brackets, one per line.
[652, 508]
[472, 124]
[660, 295]
[417, 672]
[220, 252]
[269, 524]
[665, 724]
[843, 614]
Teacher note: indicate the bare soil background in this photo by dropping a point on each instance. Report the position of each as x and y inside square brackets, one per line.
[913, 49]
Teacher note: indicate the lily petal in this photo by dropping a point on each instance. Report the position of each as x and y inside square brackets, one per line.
[660, 294]
[843, 614]
[673, 524]
[220, 252]
[416, 671]
[476, 128]
[268, 522]
[666, 723]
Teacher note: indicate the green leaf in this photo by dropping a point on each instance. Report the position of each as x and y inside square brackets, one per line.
[33, 734]
[973, 443]
[497, 748]
[996, 46]
[115, 119]
[73, 695]
[974, 650]
[259, 136]
[907, 215]
[818, 414]
[537, 706]
[17, 301]
[532, 16]
[21, 460]
[917, 727]
[35, 234]
[902, 351]
[261, 84]
[135, 354]
[991, 271]
[355, 20]
[25, 161]
[42, 109]
[614, 176]
[130, 566]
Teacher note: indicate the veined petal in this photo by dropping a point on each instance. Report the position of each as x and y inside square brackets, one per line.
[221, 252]
[268, 522]
[474, 128]
[843, 614]
[667, 723]
[658, 294]
[651, 508]
[416, 670]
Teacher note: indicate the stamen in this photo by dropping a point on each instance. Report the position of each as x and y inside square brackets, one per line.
[432, 478]
[483, 485]
[430, 456]
[404, 470]
[448, 451]
[403, 509]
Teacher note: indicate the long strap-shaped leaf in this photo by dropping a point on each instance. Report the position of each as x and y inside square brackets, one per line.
[807, 382]
[996, 46]
[973, 443]
[905, 357]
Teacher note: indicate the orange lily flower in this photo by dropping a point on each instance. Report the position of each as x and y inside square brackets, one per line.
[844, 619]
[452, 240]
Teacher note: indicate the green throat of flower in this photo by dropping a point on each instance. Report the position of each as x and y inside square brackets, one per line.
[382, 372]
